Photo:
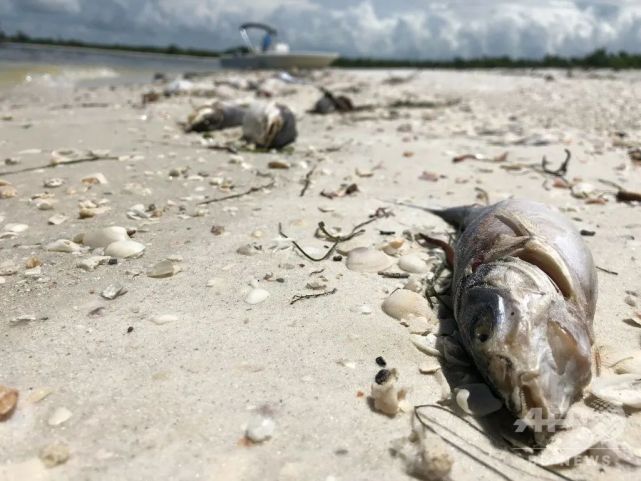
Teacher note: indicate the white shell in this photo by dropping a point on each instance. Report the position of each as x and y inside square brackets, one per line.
[629, 364]
[260, 428]
[57, 219]
[476, 399]
[124, 249]
[104, 237]
[413, 263]
[62, 245]
[426, 344]
[366, 259]
[165, 268]
[97, 178]
[164, 319]
[59, 416]
[256, 296]
[112, 291]
[53, 182]
[403, 304]
[621, 390]
[565, 445]
[16, 228]
[92, 262]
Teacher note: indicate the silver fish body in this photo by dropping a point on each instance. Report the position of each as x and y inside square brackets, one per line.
[524, 297]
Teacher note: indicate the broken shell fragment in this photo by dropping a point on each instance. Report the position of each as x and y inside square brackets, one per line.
[7, 191]
[57, 219]
[476, 399]
[260, 428]
[8, 401]
[104, 237]
[366, 259]
[426, 344]
[125, 249]
[164, 268]
[62, 245]
[53, 182]
[620, 390]
[403, 304]
[59, 416]
[628, 365]
[92, 262]
[54, 454]
[385, 393]
[112, 291]
[94, 179]
[256, 296]
[164, 319]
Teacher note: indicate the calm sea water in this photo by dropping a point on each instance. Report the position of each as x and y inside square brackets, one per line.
[22, 64]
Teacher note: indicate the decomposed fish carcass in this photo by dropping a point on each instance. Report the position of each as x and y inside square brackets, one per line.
[524, 293]
[269, 125]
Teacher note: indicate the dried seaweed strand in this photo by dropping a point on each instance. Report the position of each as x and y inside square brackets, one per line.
[241, 194]
[307, 181]
[607, 271]
[69, 162]
[562, 170]
[297, 297]
[394, 275]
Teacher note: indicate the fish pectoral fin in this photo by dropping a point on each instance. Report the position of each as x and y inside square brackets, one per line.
[519, 226]
[550, 262]
[506, 246]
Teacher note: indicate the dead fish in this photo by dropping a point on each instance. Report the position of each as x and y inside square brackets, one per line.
[524, 295]
[269, 125]
[332, 103]
[217, 116]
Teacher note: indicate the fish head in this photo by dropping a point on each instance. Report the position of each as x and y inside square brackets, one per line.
[529, 343]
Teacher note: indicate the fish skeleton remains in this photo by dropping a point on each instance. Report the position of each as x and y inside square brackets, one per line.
[524, 292]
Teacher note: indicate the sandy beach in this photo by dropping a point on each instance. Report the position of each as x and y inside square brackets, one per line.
[162, 380]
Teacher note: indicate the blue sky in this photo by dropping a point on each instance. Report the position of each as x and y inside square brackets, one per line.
[381, 28]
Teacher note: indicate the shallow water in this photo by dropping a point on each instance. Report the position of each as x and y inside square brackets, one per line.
[47, 66]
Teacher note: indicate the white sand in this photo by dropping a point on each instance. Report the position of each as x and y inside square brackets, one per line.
[169, 401]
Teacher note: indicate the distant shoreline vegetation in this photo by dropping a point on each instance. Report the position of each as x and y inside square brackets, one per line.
[600, 58]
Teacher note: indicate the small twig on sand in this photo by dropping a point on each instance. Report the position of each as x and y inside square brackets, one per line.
[623, 195]
[562, 170]
[225, 148]
[53, 165]
[307, 181]
[394, 275]
[607, 271]
[240, 194]
[297, 297]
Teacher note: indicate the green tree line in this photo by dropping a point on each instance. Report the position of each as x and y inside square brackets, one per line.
[600, 58]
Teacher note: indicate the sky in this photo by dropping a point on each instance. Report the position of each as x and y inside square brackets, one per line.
[417, 29]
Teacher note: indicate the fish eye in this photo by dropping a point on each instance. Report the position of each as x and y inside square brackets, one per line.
[483, 326]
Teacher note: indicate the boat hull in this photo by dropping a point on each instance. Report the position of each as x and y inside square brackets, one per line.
[301, 60]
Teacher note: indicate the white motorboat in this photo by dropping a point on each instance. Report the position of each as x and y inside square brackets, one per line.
[273, 55]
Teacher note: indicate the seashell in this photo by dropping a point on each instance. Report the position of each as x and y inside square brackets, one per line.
[269, 125]
[164, 319]
[8, 401]
[54, 454]
[476, 399]
[57, 219]
[426, 344]
[53, 182]
[366, 259]
[256, 296]
[402, 304]
[104, 237]
[582, 190]
[16, 228]
[8, 268]
[44, 204]
[394, 247]
[125, 249]
[7, 191]
[92, 262]
[59, 416]
[413, 264]
[414, 284]
[112, 291]
[260, 428]
[62, 245]
[94, 179]
[620, 390]
[39, 394]
[165, 268]
[248, 250]
[385, 393]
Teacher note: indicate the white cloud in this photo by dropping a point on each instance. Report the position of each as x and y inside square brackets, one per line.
[410, 28]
